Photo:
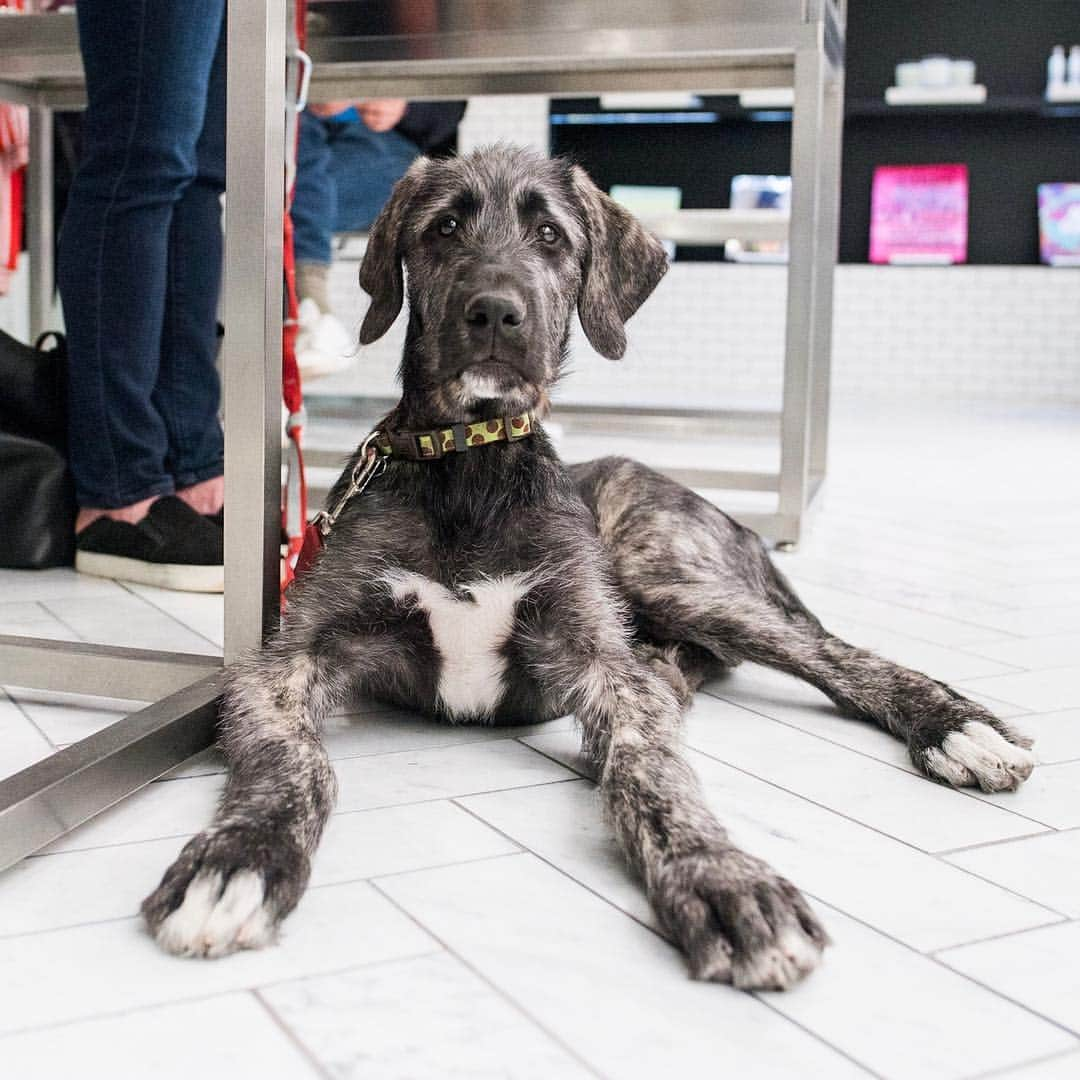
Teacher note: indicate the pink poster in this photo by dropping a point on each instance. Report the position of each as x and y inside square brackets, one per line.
[918, 214]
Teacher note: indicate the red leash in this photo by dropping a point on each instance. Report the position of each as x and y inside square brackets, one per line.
[291, 389]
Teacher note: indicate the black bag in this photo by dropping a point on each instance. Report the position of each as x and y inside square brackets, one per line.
[37, 498]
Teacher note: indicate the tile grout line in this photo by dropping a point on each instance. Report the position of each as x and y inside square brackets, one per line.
[135, 1009]
[357, 757]
[970, 793]
[888, 836]
[169, 615]
[858, 542]
[63, 622]
[1026, 1064]
[137, 916]
[6, 695]
[934, 959]
[111, 1014]
[759, 995]
[494, 987]
[990, 938]
[908, 607]
[1005, 997]
[859, 753]
[579, 773]
[946, 852]
[335, 813]
[459, 795]
[658, 932]
[292, 1036]
[823, 564]
[518, 850]
[1011, 636]
[1045, 831]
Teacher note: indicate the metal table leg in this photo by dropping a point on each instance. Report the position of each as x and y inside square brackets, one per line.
[810, 262]
[50, 798]
[255, 149]
[830, 150]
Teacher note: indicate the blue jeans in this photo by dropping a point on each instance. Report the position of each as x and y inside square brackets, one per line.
[139, 264]
[344, 174]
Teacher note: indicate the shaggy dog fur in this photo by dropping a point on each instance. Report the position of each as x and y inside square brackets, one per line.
[499, 586]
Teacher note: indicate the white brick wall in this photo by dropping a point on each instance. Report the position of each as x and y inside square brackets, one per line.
[712, 335]
[521, 120]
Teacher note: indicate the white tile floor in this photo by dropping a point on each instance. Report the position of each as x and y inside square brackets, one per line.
[469, 916]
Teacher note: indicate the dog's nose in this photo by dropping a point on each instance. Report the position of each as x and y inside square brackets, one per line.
[502, 312]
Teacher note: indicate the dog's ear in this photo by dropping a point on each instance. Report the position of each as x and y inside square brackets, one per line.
[381, 274]
[623, 264]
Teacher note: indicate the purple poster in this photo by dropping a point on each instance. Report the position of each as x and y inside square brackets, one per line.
[1059, 224]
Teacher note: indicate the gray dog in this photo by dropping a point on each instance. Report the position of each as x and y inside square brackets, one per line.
[480, 580]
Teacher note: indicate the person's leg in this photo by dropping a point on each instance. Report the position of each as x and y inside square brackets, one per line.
[365, 166]
[322, 342]
[188, 392]
[314, 206]
[147, 69]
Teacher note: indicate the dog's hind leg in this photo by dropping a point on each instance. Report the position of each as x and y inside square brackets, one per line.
[683, 666]
[233, 883]
[693, 575]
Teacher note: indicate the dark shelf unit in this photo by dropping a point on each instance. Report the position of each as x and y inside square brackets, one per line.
[1011, 143]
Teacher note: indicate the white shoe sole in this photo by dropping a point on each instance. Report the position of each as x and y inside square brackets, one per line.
[178, 576]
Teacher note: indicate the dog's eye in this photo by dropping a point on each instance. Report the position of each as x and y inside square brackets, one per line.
[548, 233]
[448, 225]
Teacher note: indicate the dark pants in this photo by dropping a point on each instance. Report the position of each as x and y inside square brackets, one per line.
[139, 266]
[344, 174]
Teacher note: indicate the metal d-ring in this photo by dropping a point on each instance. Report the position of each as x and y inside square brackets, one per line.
[370, 464]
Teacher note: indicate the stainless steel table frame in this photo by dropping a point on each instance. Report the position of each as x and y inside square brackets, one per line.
[442, 49]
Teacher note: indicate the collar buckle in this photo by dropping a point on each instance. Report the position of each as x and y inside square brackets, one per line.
[425, 446]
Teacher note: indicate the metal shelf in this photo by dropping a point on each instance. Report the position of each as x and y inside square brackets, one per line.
[1003, 105]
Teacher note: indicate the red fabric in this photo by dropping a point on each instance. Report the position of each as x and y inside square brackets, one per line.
[313, 544]
[14, 154]
[18, 184]
[291, 388]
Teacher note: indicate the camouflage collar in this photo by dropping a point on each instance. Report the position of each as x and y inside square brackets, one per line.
[431, 445]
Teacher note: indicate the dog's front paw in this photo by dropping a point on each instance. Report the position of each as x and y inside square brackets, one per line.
[736, 920]
[970, 747]
[228, 890]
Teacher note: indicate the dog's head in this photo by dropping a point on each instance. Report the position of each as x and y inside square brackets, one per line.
[499, 248]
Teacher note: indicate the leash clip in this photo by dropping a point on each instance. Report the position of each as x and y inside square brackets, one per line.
[369, 466]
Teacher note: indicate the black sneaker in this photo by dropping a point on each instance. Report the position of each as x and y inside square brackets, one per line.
[173, 547]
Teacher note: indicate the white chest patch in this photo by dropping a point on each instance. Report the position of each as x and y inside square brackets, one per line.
[469, 632]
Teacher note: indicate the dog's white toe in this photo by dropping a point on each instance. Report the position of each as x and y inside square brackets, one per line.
[212, 921]
[980, 755]
[778, 966]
